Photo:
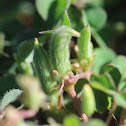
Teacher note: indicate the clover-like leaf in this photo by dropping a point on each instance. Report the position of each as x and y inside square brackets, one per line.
[121, 99]
[113, 73]
[25, 51]
[119, 72]
[9, 97]
[101, 100]
[103, 56]
[75, 16]
[105, 80]
[79, 85]
[51, 10]
[120, 63]
[94, 32]
[66, 20]
[100, 87]
[103, 87]
[6, 83]
[43, 7]
[96, 17]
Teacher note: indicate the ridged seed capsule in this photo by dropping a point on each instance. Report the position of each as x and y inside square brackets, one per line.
[43, 67]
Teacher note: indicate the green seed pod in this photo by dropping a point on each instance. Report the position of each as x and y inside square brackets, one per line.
[59, 49]
[85, 46]
[88, 100]
[43, 67]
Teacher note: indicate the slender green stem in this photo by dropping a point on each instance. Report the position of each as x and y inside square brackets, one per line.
[98, 39]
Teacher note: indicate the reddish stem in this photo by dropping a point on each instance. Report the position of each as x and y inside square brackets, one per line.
[2, 113]
[86, 75]
[60, 100]
[109, 118]
[70, 90]
[27, 113]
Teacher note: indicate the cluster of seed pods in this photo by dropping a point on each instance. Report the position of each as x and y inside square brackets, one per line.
[58, 62]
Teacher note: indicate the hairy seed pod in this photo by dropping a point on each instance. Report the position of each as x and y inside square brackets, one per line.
[88, 100]
[59, 49]
[43, 67]
[84, 44]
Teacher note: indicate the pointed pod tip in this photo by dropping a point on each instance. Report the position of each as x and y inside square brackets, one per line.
[36, 41]
[86, 86]
[88, 25]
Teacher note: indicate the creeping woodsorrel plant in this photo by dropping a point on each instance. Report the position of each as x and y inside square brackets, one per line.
[67, 75]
